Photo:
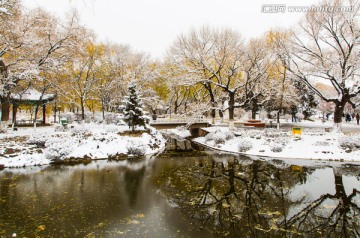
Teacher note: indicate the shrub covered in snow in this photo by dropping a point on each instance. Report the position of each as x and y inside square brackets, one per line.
[38, 140]
[70, 116]
[283, 140]
[107, 118]
[57, 148]
[276, 147]
[253, 133]
[136, 149]
[351, 142]
[112, 129]
[79, 130]
[244, 145]
[229, 135]
[219, 138]
[91, 117]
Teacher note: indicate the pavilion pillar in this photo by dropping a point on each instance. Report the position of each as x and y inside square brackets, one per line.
[15, 107]
[44, 114]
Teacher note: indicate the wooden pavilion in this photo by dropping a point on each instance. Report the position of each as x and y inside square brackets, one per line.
[30, 97]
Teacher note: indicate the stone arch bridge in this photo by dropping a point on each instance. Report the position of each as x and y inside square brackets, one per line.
[193, 124]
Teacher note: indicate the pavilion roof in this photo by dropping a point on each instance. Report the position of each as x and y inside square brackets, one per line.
[30, 95]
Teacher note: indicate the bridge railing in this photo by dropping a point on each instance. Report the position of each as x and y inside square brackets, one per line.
[179, 120]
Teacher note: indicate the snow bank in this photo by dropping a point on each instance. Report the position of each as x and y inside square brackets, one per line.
[179, 132]
[270, 143]
[93, 141]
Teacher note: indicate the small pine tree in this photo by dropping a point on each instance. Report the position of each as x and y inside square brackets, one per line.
[132, 108]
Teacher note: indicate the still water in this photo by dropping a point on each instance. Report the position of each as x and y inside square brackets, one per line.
[182, 193]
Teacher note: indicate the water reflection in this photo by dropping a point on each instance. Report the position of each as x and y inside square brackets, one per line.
[98, 200]
[181, 193]
[238, 197]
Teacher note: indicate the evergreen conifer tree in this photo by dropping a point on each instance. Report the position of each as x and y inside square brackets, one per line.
[132, 108]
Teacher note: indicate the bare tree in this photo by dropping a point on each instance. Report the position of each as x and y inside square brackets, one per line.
[326, 49]
[192, 55]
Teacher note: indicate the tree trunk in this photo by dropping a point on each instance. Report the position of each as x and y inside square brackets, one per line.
[221, 115]
[213, 112]
[254, 109]
[212, 101]
[5, 109]
[103, 108]
[175, 107]
[231, 105]
[14, 111]
[35, 115]
[231, 110]
[55, 113]
[82, 110]
[278, 120]
[339, 110]
[339, 187]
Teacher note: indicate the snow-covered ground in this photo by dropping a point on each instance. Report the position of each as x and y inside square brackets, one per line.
[180, 132]
[313, 144]
[44, 145]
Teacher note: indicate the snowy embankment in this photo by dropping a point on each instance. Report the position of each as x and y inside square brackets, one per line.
[271, 143]
[179, 133]
[87, 141]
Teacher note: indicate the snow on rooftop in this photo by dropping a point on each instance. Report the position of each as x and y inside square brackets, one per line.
[31, 94]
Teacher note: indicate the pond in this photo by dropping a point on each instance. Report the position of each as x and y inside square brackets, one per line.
[182, 193]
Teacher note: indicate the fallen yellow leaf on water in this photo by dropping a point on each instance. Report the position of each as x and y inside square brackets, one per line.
[135, 222]
[140, 215]
[41, 227]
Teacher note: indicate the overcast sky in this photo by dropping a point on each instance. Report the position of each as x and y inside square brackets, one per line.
[152, 25]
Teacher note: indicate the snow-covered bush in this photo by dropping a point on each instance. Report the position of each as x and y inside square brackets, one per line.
[38, 140]
[219, 138]
[351, 142]
[253, 133]
[244, 145]
[229, 135]
[90, 117]
[112, 129]
[80, 130]
[136, 149]
[276, 147]
[58, 148]
[283, 140]
[70, 117]
[273, 133]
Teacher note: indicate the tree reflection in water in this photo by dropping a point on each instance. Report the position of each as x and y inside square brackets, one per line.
[237, 197]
